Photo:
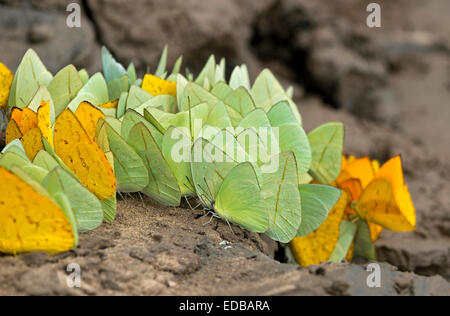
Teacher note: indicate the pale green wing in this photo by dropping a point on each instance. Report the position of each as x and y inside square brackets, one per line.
[162, 186]
[43, 95]
[176, 69]
[293, 138]
[364, 247]
[111, 68]
[234, 115]
[95, 91]
[64, 87]
[220, 71]
[131, 118]
[162, 120]
[122, 105]
[63, 201]
[131, 72]
[16, 147]
[12, 92]
[84, 76]
[346, 236]
[86, 208]
[161, 69]
[164, 102]
[241, 101]
[129, 168]
[267, 92]
[31, 75]
[209, 167]
[9, 160]
[281, 194]
[181, 85]
[208, 132]
[262, 149]
[281, 114]
[327, 142]
[109, 207]
[176, 149]
[222, 91]
[193, 94]
[44, 160]
[208, 72]
[137, 97]
[187, 120]
[240, 78]
[255, 119]
[116, 87]
[317, 202]
[218, 116]
[239, 200]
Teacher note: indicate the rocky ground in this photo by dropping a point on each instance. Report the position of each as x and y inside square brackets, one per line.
[390, 86]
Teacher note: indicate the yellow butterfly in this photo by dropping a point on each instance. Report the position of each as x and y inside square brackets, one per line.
[31, 221]
[386, 201]
[30, 127]
[6, 80]
[157, 86]
[375, 194]
[83, 156]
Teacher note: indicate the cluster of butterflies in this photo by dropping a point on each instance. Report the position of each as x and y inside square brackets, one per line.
[73, 141]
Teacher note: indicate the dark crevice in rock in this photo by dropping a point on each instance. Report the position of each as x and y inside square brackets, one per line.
[274, 35]
[90, 16]
[328, 58]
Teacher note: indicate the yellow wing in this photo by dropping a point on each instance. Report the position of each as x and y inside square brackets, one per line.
[44, 123]
[6, 79]
[317, 247]
[88, 115]
[16, 115]
[30, 221]
[91, 166]
[32, 142]
[12, 132]
[386, 200]
[156, 86]
[83, 156]
[109, 105]
[28, 121]
[357, 168]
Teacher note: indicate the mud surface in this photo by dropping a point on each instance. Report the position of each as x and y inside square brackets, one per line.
[154, 251]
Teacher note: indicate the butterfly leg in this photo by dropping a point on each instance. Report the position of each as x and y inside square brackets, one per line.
[230, 226]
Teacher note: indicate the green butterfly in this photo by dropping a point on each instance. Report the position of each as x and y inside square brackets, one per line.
[64, 87]
[30, 75]
[163, 186]
[327, 142]
[129, 168]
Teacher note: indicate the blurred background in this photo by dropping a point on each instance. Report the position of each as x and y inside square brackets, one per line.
[389, 85]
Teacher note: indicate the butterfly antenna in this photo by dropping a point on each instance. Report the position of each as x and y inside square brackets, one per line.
[121, 196]
[209, 189]
[190, 183]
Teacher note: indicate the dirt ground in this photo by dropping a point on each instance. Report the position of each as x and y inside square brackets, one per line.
[390, 86]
